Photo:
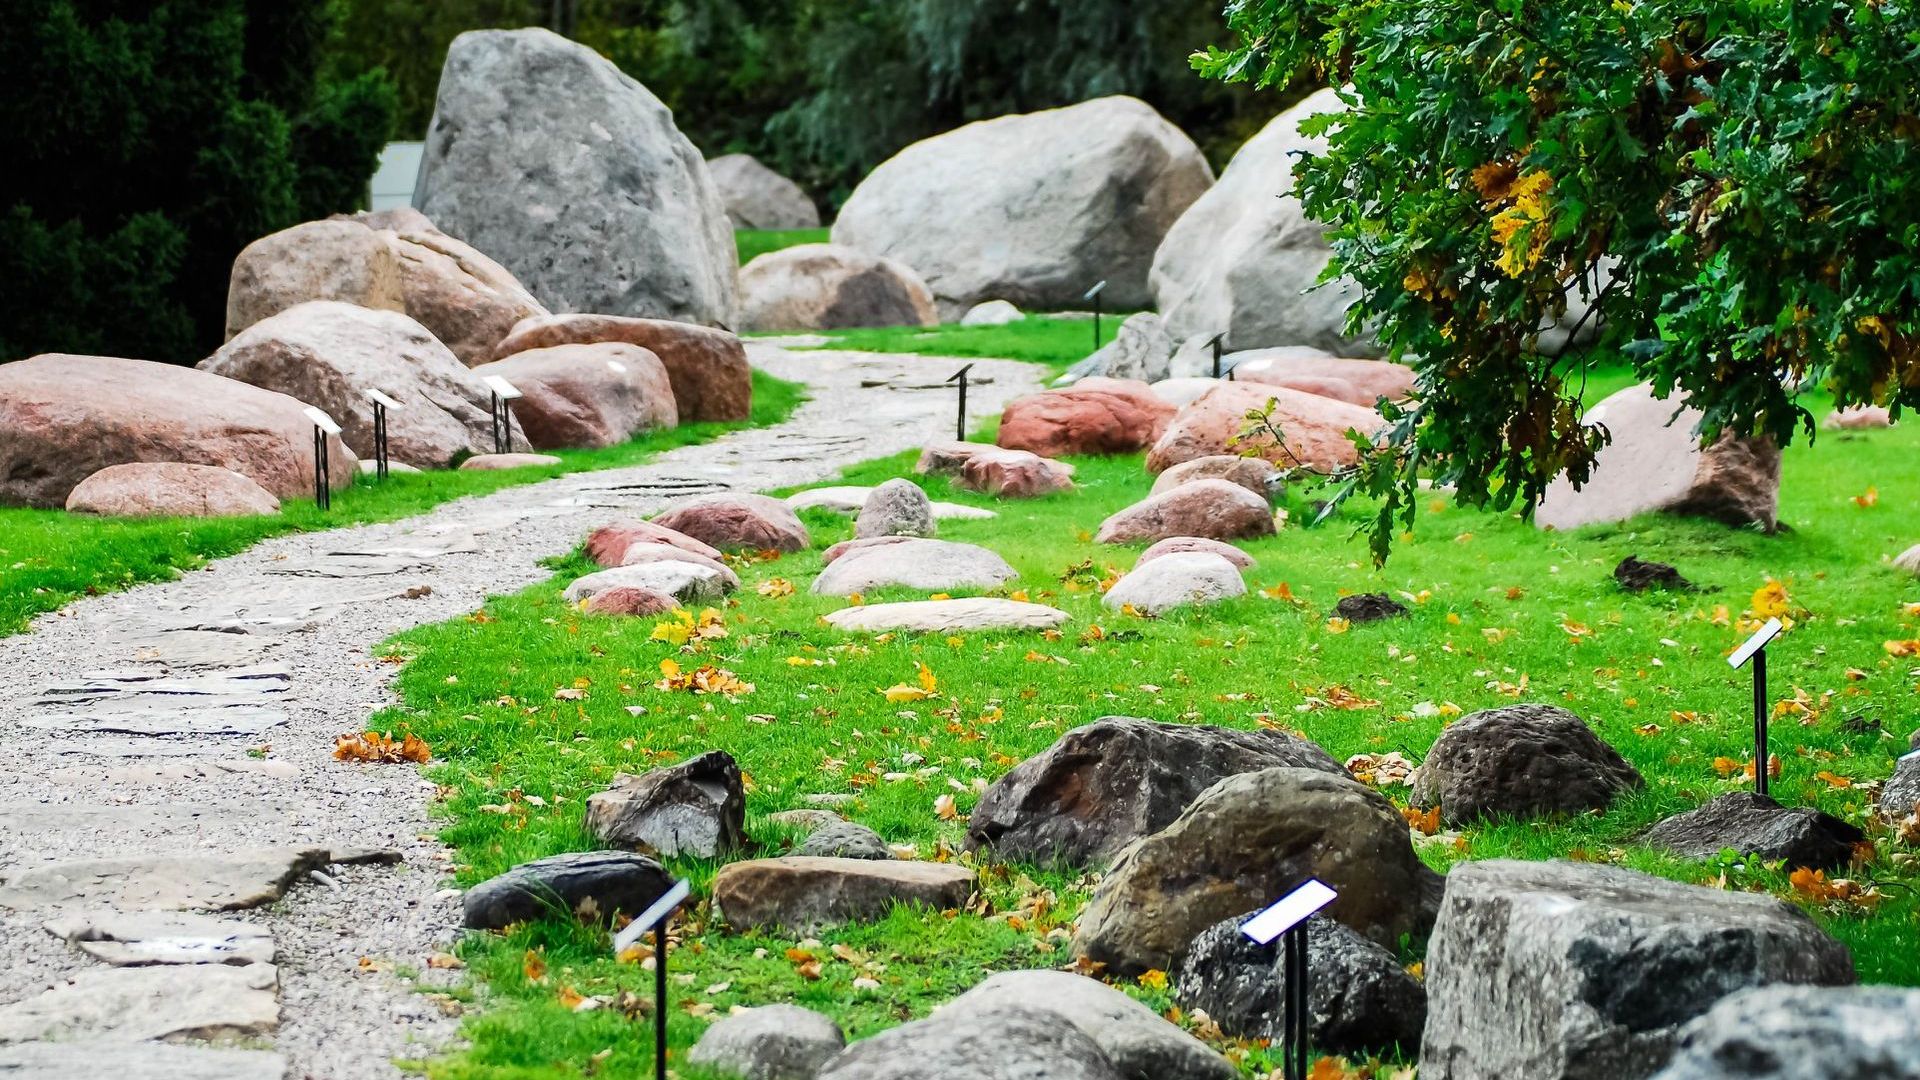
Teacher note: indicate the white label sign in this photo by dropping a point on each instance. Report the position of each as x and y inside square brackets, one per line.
[322, 421]
[501, 387]
[1289, 911]
[1755, 643]
[661, 908]
[382, 400]
[1095, 291]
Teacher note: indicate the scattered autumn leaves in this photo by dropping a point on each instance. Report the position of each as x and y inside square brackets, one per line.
[373, 747]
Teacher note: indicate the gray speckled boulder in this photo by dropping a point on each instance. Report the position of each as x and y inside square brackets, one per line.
[1578, 971]
[931, 565]
[1520, 760]
[896, 508]
[1803, 1033]
[1753, 824]
[1005, 1043]
[591, 884]
[769, 1042]
[844, 840]
[1139, 1043]
[758, 197]
[1359, 998]
[1900, 795]
[697, 807]
[1183, 579]
[572, 175]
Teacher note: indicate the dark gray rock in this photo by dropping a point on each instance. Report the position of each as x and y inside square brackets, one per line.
[1006, 1043]
[1369, 607]
[1245, 841]
[548, 158]
[1142, 1045]
[591, 884]
[844, 840]
[803, 894]
[1753, 824]
[1634, 575]
[1581, 971]
[697, 807]
[770, 1042]
[1117, 779]
[1803, 1033]
[1359, 997]
[1900, 795]
[1522, 761]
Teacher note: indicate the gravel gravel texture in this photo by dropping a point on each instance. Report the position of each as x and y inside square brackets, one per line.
[345, 942]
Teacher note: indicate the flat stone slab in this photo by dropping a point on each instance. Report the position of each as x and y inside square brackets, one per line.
[350, 566]
[136, 1061]
[142, 718]
[198, 648]
[849, 499]
[933, 565]
[148, 938]
[238, 683]
[949, 616]
[209, 1001]
[804, 893]
[210, 882]
[132, 819]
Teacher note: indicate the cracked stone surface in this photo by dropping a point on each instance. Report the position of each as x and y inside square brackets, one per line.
[158, 739]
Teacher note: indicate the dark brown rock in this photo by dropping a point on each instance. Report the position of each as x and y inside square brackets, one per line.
[1753, 824]
[1369, 607]
[1520, 761]
[1637, 576]
[592, 885]
[802, 894]
[697, 807]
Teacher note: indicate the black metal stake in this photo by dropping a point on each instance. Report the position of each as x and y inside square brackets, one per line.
[1096, 321]
[660, 999]
[502, 426]
[380, 440]
[1216, 343]
[1293, 1024]
[322, 481]
[1760, 722]
[960, 422]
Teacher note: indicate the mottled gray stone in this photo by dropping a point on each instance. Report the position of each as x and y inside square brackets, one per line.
[1522, 761]
[697, 807]
[1141, 1045]
[1008, 1043]
[1753, 824]
[769, 1042]
[844, 840]
[1803, 1033]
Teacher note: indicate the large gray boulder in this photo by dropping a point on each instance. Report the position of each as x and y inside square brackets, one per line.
[1032, 208]
[1138, 1042]
[756, 197]
[1577, 971]
[1243, 256]
[831, 287]
[1803, 1033]
[1005, 1043]
[1900, 795]
[696, 807]
[329, 354]
[571, 174]
[1655, 463]
[769, 1042]
[1243, 842]
[1104, 785]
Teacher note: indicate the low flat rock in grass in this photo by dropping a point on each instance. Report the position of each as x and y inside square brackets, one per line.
[1315, 428]
[1522, 761]
[1257, 475]
[802, 894]
[642, 554]
[1753, 824]
[591, 396]
[1803, 1033]
[141, 1060]
[208, 881]
[629, 600]
[169, 489]
[1176, 545]
[992, 313]
[1013, 474]
[848, 499]
[1655, 463]
[757, 197]
[948, 458]
[831, 287]
[932, 565]
[1182, 579]
[1141, 1045]
[1909, 560]
[1214, 509]
[1360, 1000]
[686, 581]
[1101, 786]
[696, 807]
[1560, 970]
[844, 840]
[138, 939]
[1245, 840]
[1900, 795]
[896, 508]
[769, 1042]
[609, 544]
[592, 885]
[1006, 1043]
[329, 354]
[205, 1001]
[1093, 416]
[64, 418]
[707, 368]
[737, 521]
[949, 616]
[1356, 382]
[497, 462]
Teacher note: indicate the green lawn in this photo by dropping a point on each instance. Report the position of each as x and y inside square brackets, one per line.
[755, 242]
[1500, 612]
[1042, 339]
[48, 558]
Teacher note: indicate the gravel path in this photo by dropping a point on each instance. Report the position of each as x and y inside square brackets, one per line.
[271, 648]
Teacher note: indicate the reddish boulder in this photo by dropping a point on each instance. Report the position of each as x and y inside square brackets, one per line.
[170, 489]
[609, 544]
[736, 521]
[1093, 416]
[1014, 474]
[1315, 428]
[469, 301]
[587, 395]
[830, 287]
[1360, 382]
[1174, 545]
[948, 458]
[628, 600]
[317, 260]
[1210, 509]
[64, 418]
[1255, 474]
[848, 547]
[707, 368]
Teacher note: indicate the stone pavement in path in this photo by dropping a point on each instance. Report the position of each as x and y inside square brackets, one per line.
[181, 858]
